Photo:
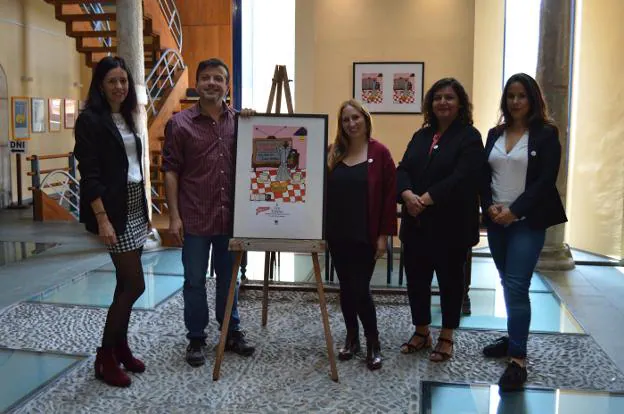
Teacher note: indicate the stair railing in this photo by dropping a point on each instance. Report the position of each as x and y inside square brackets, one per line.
[162, 76]
[66, 188]
[96, 8]
[172, 15]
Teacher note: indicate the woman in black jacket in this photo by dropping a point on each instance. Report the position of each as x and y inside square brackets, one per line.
[519, 200]
[113, 203]
[438, 182]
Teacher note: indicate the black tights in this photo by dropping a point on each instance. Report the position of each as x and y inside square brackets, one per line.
[130, 286]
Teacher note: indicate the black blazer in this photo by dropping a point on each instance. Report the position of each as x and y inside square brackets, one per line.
[451, 176]
[103, 166]
[540, 203]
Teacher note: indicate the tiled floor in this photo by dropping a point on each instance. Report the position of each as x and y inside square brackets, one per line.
[23, 372]
[97, 288]
[287, 373]
[446, 398]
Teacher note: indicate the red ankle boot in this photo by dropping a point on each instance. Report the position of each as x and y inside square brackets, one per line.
[107, 369]
[124, 356]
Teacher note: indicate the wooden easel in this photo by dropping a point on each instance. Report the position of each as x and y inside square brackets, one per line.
[241, 246]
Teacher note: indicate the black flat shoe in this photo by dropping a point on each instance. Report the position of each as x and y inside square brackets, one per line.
[513, 378]
[497, 349]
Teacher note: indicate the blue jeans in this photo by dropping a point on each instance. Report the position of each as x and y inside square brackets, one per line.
[515, 250]
[195, 254]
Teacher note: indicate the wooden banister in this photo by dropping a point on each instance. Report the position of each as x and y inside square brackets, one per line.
[48, 157]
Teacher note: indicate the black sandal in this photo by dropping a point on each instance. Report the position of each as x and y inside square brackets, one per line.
[443, 356]
[409, 348]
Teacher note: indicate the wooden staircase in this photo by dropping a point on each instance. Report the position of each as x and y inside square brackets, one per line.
[88, 41]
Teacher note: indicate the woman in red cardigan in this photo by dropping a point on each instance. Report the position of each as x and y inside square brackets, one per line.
[361, 214]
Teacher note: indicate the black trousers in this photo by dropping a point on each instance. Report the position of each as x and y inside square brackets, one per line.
[355, 263]
[421, 260]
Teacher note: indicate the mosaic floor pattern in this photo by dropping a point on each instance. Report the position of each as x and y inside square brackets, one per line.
[290, 370]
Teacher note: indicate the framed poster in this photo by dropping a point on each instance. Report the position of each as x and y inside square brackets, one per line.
[389, 87]
[280, 177]
[20, 123]
[71, 105]
[37, 111]
[54, 114]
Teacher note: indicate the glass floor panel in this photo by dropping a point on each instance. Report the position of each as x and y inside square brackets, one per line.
[97, 288]
[548, 314]
[441, 398]
[24, 372]
[11, 252]
[485, 276]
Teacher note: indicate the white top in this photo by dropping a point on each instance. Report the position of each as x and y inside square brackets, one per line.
[509, 169]
[134, 168]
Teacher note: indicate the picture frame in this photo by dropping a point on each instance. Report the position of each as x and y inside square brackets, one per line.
[394, 88]
[280, 177]
[38, 115]
[20, 118]
[70, 109]
[54, 114]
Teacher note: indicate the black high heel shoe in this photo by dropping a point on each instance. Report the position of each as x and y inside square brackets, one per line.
[351, 347]
[373, 353]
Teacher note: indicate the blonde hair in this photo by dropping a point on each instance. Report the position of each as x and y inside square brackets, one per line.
[340, 147]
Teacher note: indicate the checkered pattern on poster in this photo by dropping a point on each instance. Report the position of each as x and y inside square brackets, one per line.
[293, 191]
[403, 97]
[370, 96]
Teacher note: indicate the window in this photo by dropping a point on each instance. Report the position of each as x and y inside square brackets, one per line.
[268, 39]
[522, 20]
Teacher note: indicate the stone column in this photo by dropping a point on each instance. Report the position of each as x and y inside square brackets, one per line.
[553, 74]
[130, 48]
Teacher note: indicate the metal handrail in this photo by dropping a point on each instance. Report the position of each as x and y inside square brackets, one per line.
[68, 190]
[154, 207]
[96, 8]
[162, 75]
[172, 16]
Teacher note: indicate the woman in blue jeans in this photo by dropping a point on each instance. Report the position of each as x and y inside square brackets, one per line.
[520, 201]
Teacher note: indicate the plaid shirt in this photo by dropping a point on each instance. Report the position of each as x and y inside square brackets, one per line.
[201, 151]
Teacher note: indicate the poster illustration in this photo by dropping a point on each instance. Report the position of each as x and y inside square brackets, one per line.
[20, 118]
[278, 164]
[280, 176]
[389, 87]
[372, 88]
[403, 88]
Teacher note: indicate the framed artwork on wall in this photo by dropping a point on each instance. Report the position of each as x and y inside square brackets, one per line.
[71, 105]
[389, 87]
[280, 177]
[38, 115]
[54, 114]
[20, 122]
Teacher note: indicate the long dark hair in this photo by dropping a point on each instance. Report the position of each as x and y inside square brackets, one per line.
[538, 110]
[465, 107]
[96, 101]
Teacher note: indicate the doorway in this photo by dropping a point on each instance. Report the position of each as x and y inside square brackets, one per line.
[5, 156]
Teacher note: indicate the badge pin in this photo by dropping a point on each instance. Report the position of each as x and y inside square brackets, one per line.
[435, 146]
[533, 153]
[370, 160]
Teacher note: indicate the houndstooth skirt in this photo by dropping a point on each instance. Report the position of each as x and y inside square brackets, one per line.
[133, 238]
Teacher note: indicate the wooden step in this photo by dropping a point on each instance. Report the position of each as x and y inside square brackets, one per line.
[148, 47]
[87, 17]
[77, 1]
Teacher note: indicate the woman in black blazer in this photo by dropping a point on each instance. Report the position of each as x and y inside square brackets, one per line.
[113, 203]
[438, 181]
[519, 200]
